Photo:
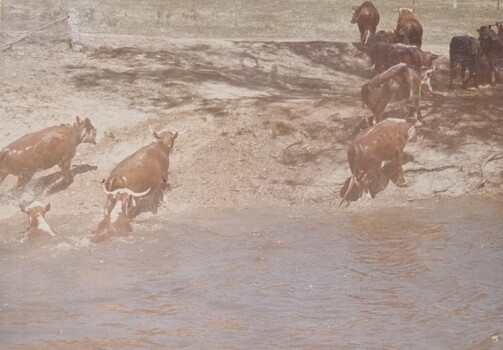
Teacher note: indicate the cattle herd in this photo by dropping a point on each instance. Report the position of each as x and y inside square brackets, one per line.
[138, 182]
[400, 70]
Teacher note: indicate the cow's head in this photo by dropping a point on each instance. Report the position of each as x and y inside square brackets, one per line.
[86, 130]
[404, 11]
[499, 25]
[36, 217]
[486, 32]
[429, 57]
[117, 208]
[355, 13]
[165, 138]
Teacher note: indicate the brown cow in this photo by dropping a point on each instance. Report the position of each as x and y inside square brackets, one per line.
[499, 25]
[139, 179]
[491, 46]
[36, 217]
[409, 54]
[384, 141]
[385, 56]
[366, 17]
[408, 29]
[399, 83]
[44, 149]
[377, 46]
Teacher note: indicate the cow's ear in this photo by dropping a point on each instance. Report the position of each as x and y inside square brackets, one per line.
[176, 135]
[23, 208]
[48, 207]
[355, 7]
[77, 118]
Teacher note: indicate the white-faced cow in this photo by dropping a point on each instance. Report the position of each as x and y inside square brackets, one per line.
[36, 217]
[401, 83]
[410, 54]
[366, 17]
[408, 29]
[384, 141]
[138, 181]
[44, 149]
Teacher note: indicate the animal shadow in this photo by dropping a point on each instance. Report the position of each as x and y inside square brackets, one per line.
[47, 184]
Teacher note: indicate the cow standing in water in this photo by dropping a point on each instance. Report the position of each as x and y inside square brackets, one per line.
[36, 217]
[137, 181]
[366, 17]
[44, 149]
[384, 141]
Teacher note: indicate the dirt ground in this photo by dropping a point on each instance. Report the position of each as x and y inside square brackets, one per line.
[260, 123]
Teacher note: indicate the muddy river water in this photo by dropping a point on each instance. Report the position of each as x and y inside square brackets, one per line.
[428, 277]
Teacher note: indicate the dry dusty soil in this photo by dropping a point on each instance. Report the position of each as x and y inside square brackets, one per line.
[260, 123]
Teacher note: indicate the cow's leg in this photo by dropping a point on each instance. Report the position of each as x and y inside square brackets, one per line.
[452, 72]
[3, 175]
[23, 179]
[465, 81]
[66, 176]
[397, 162]
[364, 36]
[417, 108]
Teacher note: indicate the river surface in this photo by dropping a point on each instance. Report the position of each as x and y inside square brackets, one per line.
[429, 277]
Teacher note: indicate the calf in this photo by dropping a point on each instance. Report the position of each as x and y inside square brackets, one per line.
[400, 83]
[44, 149]
[408, 29]
[464, 51]
[138, 179]
[491, 45]
[384, 141]
[366, 17]
[36, 217]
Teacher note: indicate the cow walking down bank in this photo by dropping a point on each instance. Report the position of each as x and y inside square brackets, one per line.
[401, 82]
[366, 17]
[384, 141]
[44, 149]
[137, 182]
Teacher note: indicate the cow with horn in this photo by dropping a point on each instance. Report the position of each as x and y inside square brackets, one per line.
[382, 142]
[137, 183]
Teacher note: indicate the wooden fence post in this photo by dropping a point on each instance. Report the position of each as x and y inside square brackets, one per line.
[73, 28]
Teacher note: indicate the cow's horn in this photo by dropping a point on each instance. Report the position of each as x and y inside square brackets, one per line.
[125, 190]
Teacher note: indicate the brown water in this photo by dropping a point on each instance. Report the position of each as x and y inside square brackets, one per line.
[272, 278]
